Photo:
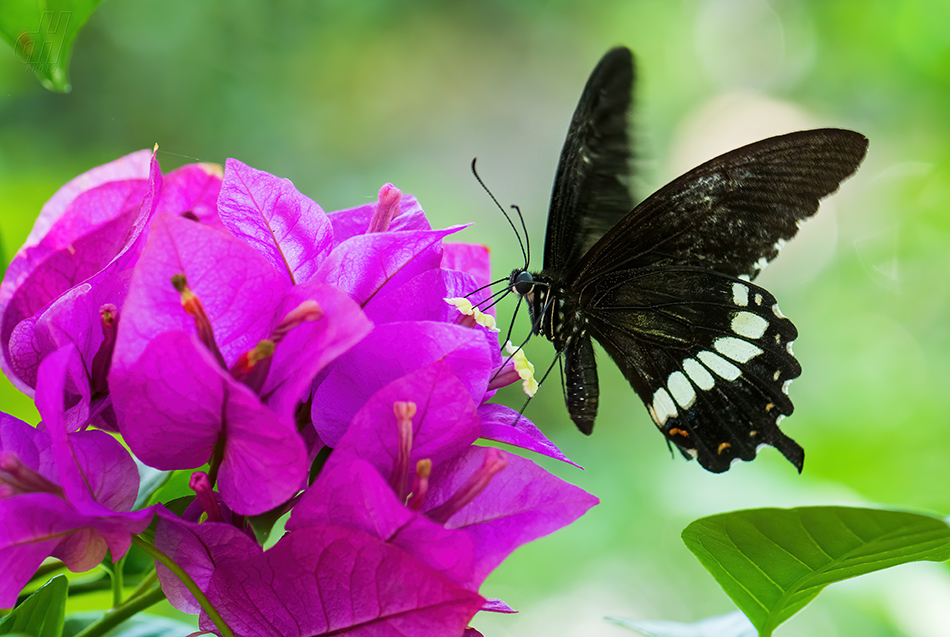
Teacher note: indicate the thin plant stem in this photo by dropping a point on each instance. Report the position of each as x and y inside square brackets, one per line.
[189, 583]
[117, 569]
[115, 616]
[144, 585]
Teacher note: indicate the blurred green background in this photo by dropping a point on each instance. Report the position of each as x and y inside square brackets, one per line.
[343, 96]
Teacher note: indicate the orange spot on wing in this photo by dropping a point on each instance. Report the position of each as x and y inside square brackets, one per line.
[676, 431]
[723, 447]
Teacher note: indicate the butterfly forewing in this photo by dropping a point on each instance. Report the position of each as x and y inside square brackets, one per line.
[709, 355]
[732, 213]
[591, 191]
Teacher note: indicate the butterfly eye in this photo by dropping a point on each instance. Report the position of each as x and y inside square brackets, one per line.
[522, 283]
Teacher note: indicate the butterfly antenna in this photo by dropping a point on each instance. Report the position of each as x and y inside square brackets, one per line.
[527, 237]
[487, 285]
[528, 338]
[514, 315]
[511, 223]
[503, 294]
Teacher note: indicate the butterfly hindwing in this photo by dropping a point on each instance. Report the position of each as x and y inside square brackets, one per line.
[590, 190]
[709, 354]
[733, 213]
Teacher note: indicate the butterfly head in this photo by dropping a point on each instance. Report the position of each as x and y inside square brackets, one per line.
[521, 282]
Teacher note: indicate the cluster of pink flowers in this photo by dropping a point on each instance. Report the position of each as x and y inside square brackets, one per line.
[292, 361]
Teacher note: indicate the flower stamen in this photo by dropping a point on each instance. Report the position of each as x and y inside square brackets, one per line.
[386, 209]
[309, 310]
[193, 306]
[251, 367]
[420, 485]
[109, 320]
[399, 480]
[16, 478]
[494, 462]
[201, 485]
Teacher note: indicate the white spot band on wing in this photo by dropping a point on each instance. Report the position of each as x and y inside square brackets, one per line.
[736, 349]
[719, 365]
[663, 407]
[740, 294]
[682, 390]
[698, 374]
[749, 325]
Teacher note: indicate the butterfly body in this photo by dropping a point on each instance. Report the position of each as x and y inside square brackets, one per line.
[665, 286]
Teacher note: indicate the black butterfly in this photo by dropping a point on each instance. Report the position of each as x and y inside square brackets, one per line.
[664, 286]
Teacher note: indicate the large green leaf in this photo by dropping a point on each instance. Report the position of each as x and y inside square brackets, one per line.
[42, 33]
[41, 614]
[772, 562]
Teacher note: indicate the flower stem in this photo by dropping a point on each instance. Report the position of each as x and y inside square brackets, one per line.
[116, 616]
[117, 580]
[144, 586]
[189, 583]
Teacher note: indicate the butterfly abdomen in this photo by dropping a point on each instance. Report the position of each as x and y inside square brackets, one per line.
[581, 390]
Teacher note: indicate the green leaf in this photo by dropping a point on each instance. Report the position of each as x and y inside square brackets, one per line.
[151, 481]
[733, 624]
[176, 486]
[141, 625]
[42, 33]
[772, 562]
[41, 614]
